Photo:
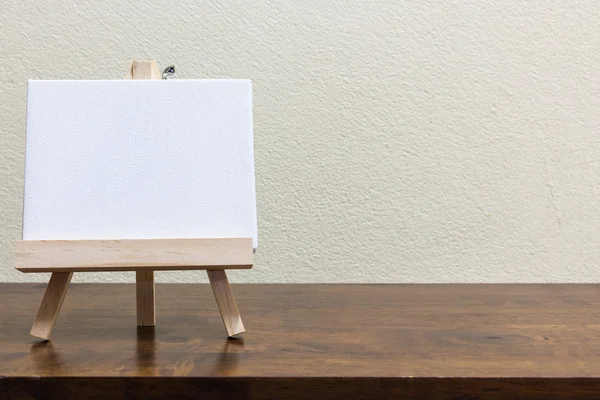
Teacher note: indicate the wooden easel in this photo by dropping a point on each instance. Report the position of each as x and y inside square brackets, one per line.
[64, 257]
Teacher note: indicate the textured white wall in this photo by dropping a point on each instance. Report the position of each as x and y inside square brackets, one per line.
[396, 141]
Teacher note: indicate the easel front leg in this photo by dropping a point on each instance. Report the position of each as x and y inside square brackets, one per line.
[226, 302]
[51, 304]
[146, 305]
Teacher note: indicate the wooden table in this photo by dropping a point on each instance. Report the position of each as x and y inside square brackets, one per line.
[309, 342]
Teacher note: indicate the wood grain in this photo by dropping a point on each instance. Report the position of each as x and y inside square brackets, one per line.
[133, 255]
[309, 341]
[51, 303]
[226, 303]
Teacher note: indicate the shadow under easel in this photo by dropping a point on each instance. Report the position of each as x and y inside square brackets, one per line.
[146, 351]
[46, 359]
[227, 362]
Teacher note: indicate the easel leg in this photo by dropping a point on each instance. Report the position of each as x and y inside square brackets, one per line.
[146, 311]
[51, 303]
[226, 302]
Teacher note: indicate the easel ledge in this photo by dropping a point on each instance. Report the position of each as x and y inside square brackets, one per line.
[133, 255]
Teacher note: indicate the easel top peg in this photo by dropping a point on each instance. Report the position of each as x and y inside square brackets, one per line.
[142, 70]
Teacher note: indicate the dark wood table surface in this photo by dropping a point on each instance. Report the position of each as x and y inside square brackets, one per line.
[308, 342]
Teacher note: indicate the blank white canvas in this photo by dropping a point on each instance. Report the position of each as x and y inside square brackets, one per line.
[139, 159]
